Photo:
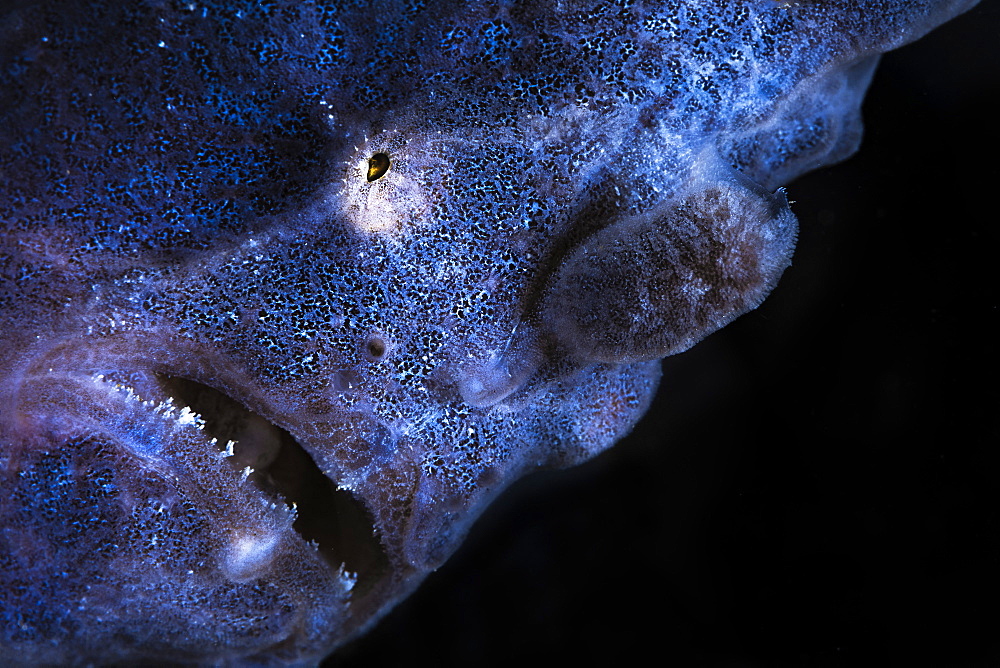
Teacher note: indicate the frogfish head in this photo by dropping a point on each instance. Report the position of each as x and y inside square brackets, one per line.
[290, 291]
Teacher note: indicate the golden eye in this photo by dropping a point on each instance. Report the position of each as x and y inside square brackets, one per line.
[378, 165]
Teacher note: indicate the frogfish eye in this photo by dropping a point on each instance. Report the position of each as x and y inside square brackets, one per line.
[378, 165]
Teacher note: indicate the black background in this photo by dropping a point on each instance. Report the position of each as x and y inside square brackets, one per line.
[814, 485]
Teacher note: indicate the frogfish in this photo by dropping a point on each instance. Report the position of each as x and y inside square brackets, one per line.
[291, 290]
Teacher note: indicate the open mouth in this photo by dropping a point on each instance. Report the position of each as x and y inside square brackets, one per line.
[270, 457]
[204, 511]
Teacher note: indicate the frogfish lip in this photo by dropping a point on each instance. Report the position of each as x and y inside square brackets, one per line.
[270, 513]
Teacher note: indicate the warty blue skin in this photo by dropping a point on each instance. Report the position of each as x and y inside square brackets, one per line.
[573, 193]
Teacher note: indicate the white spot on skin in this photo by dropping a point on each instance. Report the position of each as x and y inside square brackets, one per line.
[248, 554]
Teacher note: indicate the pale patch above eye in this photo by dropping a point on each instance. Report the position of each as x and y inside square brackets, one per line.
[378, 165]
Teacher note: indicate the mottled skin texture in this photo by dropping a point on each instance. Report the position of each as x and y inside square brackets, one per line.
[573, 193]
